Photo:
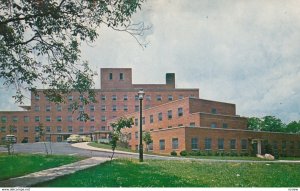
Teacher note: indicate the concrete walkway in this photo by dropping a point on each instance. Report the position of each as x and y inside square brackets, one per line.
[49, 174]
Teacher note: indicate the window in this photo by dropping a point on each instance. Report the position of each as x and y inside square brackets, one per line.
[48, 108]
[25, 129]
[103, 128]
[92, 118]
[26, 119]
[192, 96]
[36, 108]
[70, 108]
[136, 135]
[180, 97]
[121, 76]
[148, 98]
[59, 138]
[244, 144]
[180, 125]
[114, 97]
[58, 108]
[174, 143]
[125, 97]
[114, 108]
[103, 97]
[37, 129]
[225, 125]
[70, 129]
[170, 114]
[15, 119]
[192, 124]
[92, 128]
[275, 145]
[36, 138]
[3, 119]
[110, 77]
[195, 143]
[158, 98]
[136, 122]
[221, 144]
[129, 136]
[180, 112]
[37, 97]
[92, 108]
[3, 129]
[170, 126]
[136, 108]
[162, 144]
[159, 116]
[70, 98]
[232, 144]
[48, 138]
[143, 120]
[58, 129]
[150, 146]
[213, 125]
[136, 147]
[151, 118]
[214, 111]
[14, 129]
[25, 140]
[47, 98]
[147, 106]
[48, 129]
[37, 118]
[81, 108]
[58, 118]
[103, 118]
[170, 97]
[125, 108]
[283, 145]
[81, 97]
[81, 129]
[103, 108]
[48, 118]
[136, 97]
[70, 118]
[207, 143]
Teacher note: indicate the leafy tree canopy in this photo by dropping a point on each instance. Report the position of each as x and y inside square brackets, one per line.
[273, 124]
[40, 42]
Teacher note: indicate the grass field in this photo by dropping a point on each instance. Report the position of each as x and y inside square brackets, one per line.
[158, 173]
[21, 164]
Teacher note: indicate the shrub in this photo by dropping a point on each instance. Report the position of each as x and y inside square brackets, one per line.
[208, 153]
[173, 153]
[233, 154]
[183, 153]
[195, 153]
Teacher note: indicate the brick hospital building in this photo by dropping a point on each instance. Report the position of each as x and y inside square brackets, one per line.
[175, 117]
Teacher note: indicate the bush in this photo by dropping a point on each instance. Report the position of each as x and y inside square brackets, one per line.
[233, 154]
[183, 153]
[195, 153]
[173, 153]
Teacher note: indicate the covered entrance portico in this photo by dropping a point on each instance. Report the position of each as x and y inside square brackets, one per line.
[257, 145]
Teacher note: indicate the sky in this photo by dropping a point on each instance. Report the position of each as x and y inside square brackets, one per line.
[242, 52]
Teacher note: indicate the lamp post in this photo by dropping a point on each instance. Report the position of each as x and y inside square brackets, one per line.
[141, 94]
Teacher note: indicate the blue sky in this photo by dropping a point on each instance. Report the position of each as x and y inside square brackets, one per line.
[242, 52]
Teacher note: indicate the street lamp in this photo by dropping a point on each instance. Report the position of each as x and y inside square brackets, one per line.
[141, 94]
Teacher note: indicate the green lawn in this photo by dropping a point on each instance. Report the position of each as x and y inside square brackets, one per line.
[21, 164]
[159, 173]
[107, 146]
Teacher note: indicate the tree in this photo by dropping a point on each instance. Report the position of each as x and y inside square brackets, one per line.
[10, 141]
[40, 42]
[293, 127]
[116, 134]
[254, 123]
[273, 124]
[40, 133]
[147, 138]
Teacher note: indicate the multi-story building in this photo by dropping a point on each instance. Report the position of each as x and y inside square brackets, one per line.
[176, 119]
[117, 97]
[194, 124]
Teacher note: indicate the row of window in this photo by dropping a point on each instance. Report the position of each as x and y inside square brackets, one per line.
[51, 129]
[125, 97]
[160, 116]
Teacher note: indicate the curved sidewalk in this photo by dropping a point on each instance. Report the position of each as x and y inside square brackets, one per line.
[52, 173]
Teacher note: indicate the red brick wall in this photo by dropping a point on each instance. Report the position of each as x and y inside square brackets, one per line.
[200, 105]
[106, 83]
[233, 122]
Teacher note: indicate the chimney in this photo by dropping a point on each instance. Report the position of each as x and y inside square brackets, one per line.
[170, 79]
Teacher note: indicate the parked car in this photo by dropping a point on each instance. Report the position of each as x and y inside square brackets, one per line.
[10, 139]
[85, 138]
[74, 139]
